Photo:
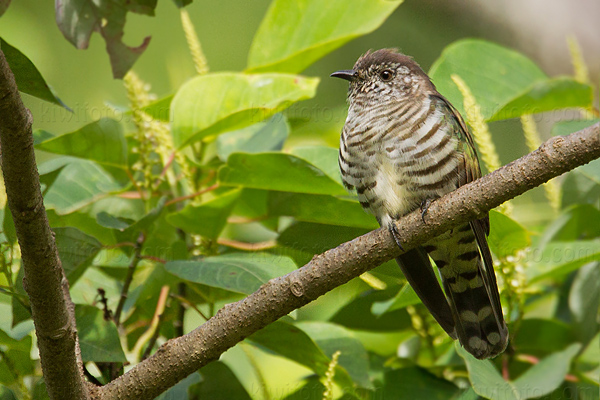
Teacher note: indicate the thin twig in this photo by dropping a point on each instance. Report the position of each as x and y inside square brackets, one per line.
[154, 258]
[154, 338]
[269, 244]
[154, 324]
[188, 303]
[191, 196]
[135, 184]
[245, 220]
[167, 164]
[505, 370]
[178, 323]
[137, 256]
[107, 313]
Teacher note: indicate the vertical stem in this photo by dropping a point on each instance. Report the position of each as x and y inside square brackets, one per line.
[130, 271]
[181, 292]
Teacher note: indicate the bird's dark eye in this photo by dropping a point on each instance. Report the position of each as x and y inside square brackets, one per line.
[386, 75]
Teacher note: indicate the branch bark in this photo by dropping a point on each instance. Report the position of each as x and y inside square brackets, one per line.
[52, 310]
[184, 355]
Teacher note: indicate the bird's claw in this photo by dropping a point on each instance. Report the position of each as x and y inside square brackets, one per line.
[395, 234]
[424, 207]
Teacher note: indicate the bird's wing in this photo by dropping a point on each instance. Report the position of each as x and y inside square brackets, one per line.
[469, 171]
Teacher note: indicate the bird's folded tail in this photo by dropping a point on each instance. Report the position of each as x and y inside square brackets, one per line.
[470, 285]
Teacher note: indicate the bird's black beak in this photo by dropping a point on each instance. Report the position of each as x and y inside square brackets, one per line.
[347, 74]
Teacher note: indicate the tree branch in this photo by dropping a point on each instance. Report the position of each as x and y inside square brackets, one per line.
[184, 355]
[52, 310]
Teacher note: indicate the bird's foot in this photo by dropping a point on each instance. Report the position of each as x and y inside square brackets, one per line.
[424, 207]
[395, 234]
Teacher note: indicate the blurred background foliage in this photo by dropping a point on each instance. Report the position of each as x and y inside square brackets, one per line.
[157, 190]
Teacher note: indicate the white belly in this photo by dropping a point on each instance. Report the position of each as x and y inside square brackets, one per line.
[395, 197]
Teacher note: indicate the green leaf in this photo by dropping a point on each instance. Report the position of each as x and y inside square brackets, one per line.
[106, 220]
[321, 209]
[591, 354]
[85, 290]
[19, 330]
[8, 342]
[405, 297]
[160, 109]
[311, 389]
[277, 171]
[28, 78]
[278, 336]
[582, 185]
[76, 251]
[563, 128]
[99, 339]
[80, 183]
[220, 383]
[101, 141]
[145, 288]
[16, 360]
[505, 83]
[294, 34]
[584, 298]
[416, 383]
[323, 157]
[316, 238]
[264, 136]
[468, 394]
[207, 219]
[215, 103]
[48, 178]
[126, 230]
[578, 222]
[8, 226]
[237, 272]
[552, 94]
[331, 338]
[546, 375]
[357, 314]
[77, 19]
[145, 224]
[542, 336]
[84, 222]
[21, 308]
[538, 380]
[559, 258]
[181, 390]
[507, 236]
[486, 380]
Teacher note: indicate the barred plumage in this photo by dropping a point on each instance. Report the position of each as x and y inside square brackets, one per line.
[403, 145]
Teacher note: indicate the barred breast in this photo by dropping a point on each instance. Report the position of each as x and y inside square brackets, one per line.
[396, 157]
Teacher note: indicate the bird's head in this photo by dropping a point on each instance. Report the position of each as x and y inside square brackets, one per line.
[384, 75]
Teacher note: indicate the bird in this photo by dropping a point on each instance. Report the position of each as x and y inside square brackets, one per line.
[404, 145]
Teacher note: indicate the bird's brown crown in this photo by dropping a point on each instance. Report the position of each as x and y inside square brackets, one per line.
[386, 58]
